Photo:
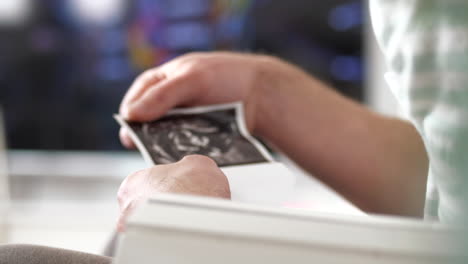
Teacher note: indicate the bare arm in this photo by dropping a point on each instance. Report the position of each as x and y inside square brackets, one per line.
[378, 163]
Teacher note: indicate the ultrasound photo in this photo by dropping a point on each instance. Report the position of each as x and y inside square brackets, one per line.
[218, 132]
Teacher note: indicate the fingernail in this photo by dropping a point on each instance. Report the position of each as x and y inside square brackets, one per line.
[127, 142]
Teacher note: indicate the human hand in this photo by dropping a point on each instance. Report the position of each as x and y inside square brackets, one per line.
[194, 175]
[193, 79]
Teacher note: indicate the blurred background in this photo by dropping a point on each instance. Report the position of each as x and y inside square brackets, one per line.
[66, 64]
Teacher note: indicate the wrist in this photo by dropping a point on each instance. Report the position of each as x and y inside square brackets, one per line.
[264, 87]
[277, 84]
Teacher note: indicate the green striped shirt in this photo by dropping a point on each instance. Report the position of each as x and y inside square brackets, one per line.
[426, 46]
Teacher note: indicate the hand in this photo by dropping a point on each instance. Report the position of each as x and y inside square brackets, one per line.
[193, 79]
[300, 116]
[194, 175]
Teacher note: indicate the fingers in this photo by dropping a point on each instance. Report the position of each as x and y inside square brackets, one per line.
[155, 102]
[138, 88]
[126, 139]
[173, 84]
[142, 83]
[160, 98]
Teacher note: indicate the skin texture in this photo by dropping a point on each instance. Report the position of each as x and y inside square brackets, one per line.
[378, 163]
[191, 80]
[193, 175]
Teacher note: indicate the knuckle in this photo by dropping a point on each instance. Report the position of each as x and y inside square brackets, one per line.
[161, 94]
[195, 68]
[200, 74]
[194, 55]
[148, 76]
[143, 76]
[196, 64]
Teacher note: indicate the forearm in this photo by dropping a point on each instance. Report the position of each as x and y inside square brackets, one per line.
[376, 162]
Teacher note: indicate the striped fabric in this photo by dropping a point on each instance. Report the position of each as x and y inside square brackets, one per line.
[426, 46]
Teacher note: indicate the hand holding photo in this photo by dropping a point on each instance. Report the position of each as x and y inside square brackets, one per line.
[218, 132]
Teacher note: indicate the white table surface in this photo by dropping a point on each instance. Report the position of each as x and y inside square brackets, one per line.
[68, 200]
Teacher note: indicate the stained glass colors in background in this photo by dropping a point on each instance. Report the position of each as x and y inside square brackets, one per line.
[66, 64]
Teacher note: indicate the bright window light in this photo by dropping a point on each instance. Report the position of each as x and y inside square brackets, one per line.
[14, 12]
[102, 12]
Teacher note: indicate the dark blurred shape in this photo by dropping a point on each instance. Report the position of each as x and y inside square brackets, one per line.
[323, 37]
[66, 64]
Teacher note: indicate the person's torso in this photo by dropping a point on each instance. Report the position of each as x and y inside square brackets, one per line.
[426, 46]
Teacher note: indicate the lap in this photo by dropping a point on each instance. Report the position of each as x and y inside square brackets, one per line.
[29, 254]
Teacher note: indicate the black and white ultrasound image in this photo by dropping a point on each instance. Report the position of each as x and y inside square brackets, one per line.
[214, 134]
